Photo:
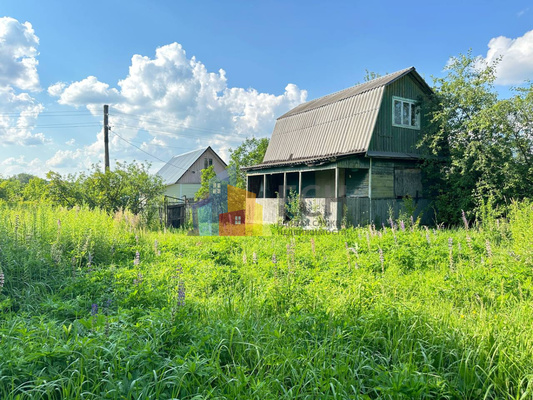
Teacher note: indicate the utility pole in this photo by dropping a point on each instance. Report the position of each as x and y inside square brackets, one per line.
[106, 136]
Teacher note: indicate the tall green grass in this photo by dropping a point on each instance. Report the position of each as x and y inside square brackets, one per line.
[397, 313]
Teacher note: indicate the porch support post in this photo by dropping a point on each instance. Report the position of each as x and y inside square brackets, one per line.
[284, 184]
[370, 191]
[300, 183]
[336, 182]
[264, 185]
[247, 187]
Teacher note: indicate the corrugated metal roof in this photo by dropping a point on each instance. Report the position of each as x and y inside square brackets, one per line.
[337, 124]
[173, 170]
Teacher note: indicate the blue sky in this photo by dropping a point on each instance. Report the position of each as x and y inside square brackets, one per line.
[273, 54]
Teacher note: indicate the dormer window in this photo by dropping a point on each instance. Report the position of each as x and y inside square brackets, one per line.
[405, 113]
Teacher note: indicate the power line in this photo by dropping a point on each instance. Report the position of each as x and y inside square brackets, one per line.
[158, 121]
[145, 152]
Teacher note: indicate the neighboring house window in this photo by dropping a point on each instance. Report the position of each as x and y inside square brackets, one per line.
[237, 220]
[216, 188]
[208, 162]
[405, 113]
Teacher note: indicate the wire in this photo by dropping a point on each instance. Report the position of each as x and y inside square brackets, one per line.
[151, 155]
[158, 121]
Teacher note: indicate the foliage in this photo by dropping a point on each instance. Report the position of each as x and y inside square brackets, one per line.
[250, 152]
[295, 209]
[478, 146]
[91, 306]
[127, 187]
[94, 307]
[207, 178]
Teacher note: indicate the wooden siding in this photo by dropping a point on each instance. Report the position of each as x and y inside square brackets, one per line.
[389, 138]
[382, 179]
[356, 182]
[194, 173]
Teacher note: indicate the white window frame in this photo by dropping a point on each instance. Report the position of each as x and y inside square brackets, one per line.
[410, 102]
[238, 220]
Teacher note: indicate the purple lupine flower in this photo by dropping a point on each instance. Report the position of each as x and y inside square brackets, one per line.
[391, 222]
[402, 225]
[383, 225]
[2, 280]
[412, 221]
[465, 221]
[137, 259]
[90, 262]
[139, 279]
[181, 294]
[274, 259]
[254, 257]
[488, 248]
[94, 309]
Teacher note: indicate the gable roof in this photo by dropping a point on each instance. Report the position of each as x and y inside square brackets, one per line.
[334, 125]
[173, 170]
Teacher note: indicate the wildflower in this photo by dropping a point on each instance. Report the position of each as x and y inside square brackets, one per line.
[274, 259]
[136, 239]
[2, 280]
[383, 226]
[180, 302]
[139, 279]
[427, 235]
[412, 221]
[137, 259]
[380, 235]
[244, 259]
[368, 241]
[156, 250]
[488, 248]
[382, 259]
[391, 222]
[462, 316]
[402, 225]
[94, 309]
[90, 262]
[465, 221]
[469, 242]
[58, 224]
[254, 257]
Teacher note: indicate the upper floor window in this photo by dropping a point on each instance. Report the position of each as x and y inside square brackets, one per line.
[208, 162]
[405, 113]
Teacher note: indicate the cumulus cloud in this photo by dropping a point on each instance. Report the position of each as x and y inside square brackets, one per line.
[18, 51]
[18, 76]
[178, 102]
[516, 64]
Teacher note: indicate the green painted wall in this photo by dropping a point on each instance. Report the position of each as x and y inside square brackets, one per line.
[389, 138]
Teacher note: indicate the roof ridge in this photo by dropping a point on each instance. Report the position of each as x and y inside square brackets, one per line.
[400, 72]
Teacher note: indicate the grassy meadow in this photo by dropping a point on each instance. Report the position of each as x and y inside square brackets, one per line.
[94, 307]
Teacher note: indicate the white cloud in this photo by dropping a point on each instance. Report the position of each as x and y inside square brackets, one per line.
[18, 51]
[516, 55]
[18, 73]
[179, 103]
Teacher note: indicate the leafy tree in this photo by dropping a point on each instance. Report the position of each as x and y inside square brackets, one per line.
[250, 152]
[35, 190]
[208, 175]
[128, 187]
[478, 147]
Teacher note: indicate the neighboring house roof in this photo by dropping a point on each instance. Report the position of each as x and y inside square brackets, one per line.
[173, 170]
[338, 124]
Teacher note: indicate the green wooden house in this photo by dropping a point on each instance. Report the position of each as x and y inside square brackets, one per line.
[350, 154]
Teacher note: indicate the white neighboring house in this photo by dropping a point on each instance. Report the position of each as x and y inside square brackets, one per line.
[182, 174]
